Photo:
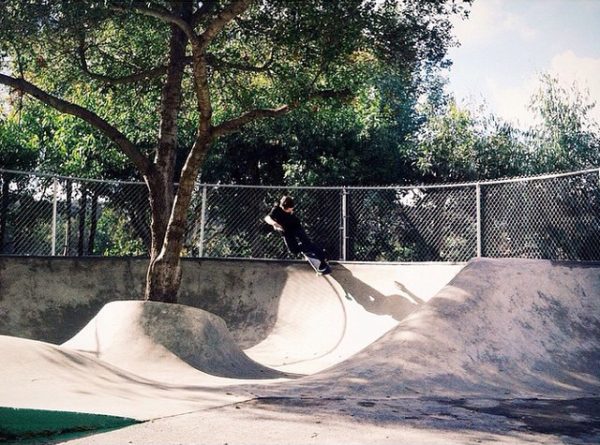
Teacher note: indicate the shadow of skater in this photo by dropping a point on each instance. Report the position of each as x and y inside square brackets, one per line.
[398, 306]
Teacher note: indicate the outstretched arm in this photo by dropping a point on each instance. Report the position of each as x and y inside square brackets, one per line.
[273, 223]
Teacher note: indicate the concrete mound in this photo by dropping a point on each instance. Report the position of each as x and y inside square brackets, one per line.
[43, 376]
[159, 341]
[500, 328]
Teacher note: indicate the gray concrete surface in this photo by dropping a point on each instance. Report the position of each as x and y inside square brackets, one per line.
[500, 328]
[51, 299]
[164, 342]
[362, 421]
[507, 352]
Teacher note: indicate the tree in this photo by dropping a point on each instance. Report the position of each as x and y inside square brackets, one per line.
[461, 144]
[201, 70]
[567, 137]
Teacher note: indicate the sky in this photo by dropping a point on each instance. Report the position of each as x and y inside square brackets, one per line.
[506, 45]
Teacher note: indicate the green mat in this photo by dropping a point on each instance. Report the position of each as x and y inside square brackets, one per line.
[18, 423]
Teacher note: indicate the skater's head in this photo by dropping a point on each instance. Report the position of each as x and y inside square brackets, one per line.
[287, 203]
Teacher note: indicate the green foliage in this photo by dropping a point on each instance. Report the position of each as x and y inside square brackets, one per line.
[362, 142]
[276, 53]
[39, 138]
[567, 137]
[115, 237]
[459, 144]
[18, 148]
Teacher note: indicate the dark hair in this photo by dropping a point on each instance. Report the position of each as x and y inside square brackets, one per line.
[287, 202]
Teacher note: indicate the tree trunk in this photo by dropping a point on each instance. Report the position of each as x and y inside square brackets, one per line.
[162, 284]
[163, 279]
[164, 271]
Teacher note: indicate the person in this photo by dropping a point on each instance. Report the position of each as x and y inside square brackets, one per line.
[282, 219]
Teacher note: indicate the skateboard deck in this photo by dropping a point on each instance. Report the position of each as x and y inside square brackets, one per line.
[315, 262]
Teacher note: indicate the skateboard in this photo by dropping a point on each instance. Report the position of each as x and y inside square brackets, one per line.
[315, 262]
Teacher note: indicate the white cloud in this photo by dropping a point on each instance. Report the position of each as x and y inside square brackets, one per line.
[511, 103]
[508, 44]
[488, 20]
[584, 72]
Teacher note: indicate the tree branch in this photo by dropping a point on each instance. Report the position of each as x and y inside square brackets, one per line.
[157, 12]
[132, 78]
[126, 146]
[219, 63]
[161, 70]
[223, 18]
[167, 16]
[233, 125]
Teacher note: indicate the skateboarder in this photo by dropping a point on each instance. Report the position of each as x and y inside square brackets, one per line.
[283, 220]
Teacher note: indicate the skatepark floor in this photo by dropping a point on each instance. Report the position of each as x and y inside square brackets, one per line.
[502, 351]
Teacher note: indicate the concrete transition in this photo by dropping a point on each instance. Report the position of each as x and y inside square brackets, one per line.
[498, 350]
[165, 342]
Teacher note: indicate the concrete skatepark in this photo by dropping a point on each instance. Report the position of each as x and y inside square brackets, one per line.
[492, 351]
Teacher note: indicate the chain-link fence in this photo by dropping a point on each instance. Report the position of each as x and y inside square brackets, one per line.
[552, 217]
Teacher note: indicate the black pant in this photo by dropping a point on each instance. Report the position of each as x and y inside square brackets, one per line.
[297, 242]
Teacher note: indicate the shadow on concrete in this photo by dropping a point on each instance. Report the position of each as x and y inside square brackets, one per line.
[571, 420]
[398, 305]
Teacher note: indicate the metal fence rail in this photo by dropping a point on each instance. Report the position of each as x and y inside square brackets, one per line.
[551, 217]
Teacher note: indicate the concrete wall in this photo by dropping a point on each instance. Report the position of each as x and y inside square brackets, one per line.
[51, 299]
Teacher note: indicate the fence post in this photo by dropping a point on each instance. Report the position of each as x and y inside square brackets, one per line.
[4, 177]
[54, 213]
[344, 224]
[202, 221]
[478, 194]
